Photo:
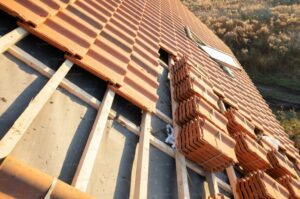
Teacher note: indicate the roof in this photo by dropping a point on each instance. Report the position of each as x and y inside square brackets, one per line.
[119, 41]
[116, 40]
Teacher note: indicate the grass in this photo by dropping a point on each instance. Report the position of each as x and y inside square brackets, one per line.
[290, 120]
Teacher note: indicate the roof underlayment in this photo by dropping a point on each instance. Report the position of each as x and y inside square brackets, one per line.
[218, 115]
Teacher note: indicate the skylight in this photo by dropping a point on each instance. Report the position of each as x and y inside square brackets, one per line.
[220, 56]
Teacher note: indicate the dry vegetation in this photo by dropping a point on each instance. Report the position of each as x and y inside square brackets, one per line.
[265, 37]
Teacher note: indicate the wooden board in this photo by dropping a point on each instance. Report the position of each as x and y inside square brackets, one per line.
[11, 38]
[142, 168]
[181, 171]
[85, 167]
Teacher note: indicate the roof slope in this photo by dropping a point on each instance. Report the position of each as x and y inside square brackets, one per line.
[119, 41]
[116, 40]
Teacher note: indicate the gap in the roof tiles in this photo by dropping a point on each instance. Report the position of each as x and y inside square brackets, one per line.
[162, 175]
[227, 106]
[225, 193]
[7, 23]
[128, 110]
[158, 128]
[87, 81]
[164, 56]
[196, 183]
[164, 95]
[42, 51]
[238, 173]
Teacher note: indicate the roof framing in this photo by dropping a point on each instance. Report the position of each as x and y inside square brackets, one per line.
[58, 79]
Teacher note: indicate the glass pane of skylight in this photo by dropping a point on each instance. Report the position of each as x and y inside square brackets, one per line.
[220, 56]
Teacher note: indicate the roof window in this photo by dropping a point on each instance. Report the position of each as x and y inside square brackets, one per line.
[222, 58]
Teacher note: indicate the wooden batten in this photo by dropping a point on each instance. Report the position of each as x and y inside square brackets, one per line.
[11, 38]
[181, 171]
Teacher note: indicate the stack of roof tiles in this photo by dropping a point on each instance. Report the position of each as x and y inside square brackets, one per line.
[237, 123]
[203, 137]
[259, 185]
[292, 185]
[280, 165]
[250, 154]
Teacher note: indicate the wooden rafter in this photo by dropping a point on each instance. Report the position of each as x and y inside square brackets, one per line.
[86, 164]
[95, 103]
[142, 168]
[181, 171]
[232, 180]
[212, 181]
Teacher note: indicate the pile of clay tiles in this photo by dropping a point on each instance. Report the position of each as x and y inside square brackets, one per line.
[18, 180]
[203, 137]
[237, 123]
[292, 185]
[250, 154]
[259, 185]
[281, 166]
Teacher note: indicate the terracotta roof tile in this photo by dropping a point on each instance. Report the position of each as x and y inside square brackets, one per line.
[19, 180]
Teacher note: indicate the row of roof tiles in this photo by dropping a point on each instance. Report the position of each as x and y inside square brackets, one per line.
[19, 180]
